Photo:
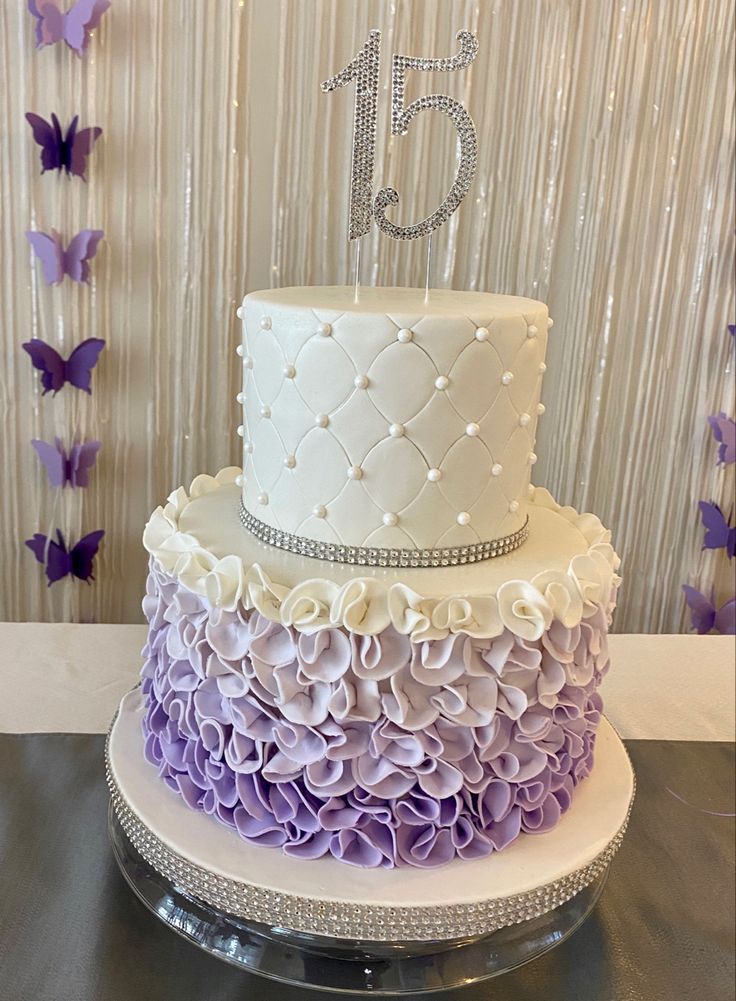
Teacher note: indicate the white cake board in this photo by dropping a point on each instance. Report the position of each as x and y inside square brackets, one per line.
[326, 897]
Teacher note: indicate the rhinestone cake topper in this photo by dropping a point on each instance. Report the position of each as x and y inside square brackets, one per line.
[364, 69]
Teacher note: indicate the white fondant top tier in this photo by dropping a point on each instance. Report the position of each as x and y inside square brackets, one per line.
[393, 422]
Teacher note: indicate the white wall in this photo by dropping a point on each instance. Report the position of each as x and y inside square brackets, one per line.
[604, 187]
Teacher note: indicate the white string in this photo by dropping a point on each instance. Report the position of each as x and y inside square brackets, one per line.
[356, 293]
[429, 265]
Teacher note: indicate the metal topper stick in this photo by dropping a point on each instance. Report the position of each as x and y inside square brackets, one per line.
[364, 69]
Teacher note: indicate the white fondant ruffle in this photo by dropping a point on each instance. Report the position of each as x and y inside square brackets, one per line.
[367, 606]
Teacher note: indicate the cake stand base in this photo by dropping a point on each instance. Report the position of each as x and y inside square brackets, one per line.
[342, 966]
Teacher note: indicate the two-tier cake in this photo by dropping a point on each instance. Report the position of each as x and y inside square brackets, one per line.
[378, 642]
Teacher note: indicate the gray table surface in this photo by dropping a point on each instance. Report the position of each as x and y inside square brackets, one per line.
[71, 930]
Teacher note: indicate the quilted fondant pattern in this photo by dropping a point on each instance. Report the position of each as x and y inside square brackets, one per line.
[392, 423]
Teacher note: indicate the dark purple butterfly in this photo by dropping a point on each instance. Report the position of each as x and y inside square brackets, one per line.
[72, 468]
[76, 370]
[58, 262]
[704, 616]
[74, 26]
[63, 152]
[59, 561]
[732, 330]
[718, 533]
[724, 432]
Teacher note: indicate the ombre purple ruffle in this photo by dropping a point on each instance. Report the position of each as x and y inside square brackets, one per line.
[375, 750]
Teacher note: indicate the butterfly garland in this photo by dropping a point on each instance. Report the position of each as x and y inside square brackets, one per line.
[67, 468]
[59, 561]
[66, 151]
[55, 372]
[720, 533]
[73, 26]
[724, 432]
[56, 261]
[63, 151]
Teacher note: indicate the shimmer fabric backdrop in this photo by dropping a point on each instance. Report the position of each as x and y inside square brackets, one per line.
[604, 187]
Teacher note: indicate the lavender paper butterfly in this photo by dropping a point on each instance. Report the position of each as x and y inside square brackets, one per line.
[76, 370]
[73, 26]
[63, 152]
[724, 432]
[704, 616]
[72, 468]
[719, 534]
[58, 262]
[59, 562]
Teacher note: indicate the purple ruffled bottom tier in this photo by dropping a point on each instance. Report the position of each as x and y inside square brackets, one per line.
[293, 742]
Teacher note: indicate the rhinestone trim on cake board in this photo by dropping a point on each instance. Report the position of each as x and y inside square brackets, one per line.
[341, 920]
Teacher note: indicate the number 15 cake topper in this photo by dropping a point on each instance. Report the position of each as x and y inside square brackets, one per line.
[364, 69]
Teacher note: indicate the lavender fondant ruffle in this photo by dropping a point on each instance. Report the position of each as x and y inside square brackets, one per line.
[373, 749]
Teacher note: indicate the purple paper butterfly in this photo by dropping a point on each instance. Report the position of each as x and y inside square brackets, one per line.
[63, 468]
[76, 370]
[718, 533]
[58, 262]
[704, 616]
[59, 561]
[724, 432]
[63, 152]
[73, 26]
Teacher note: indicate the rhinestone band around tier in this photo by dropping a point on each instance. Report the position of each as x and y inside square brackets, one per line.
[342, 920]
[367, 556]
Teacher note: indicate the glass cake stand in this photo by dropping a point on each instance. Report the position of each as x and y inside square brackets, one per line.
[339, 965]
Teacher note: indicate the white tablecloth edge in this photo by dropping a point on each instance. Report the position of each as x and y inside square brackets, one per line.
[70, 678]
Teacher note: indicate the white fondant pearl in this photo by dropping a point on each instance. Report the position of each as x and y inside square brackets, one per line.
[263, 499]
[542, 368]
[321, 420]
[240, 397]
[463, 518]
[472, 430]
[320, 511]
[240, 430]
[531, 330]
[240, 312]
[289, 371]
[482, 334]
[248, 447]
[405, 335]
[265, 323]
[507, 378]
[355, 473]
[433, 475]
[496, 469]
[360, 381]
[514, 506]
[550, 323]
[524, 419]
[541, 408]
[265, 412]
[324, 329]
[290, 461]
[441, 382]
[532, 458]
[239, 480]
[239, 350]
[396, 430]
[390, 519]
[530, 490]
[248, 362]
